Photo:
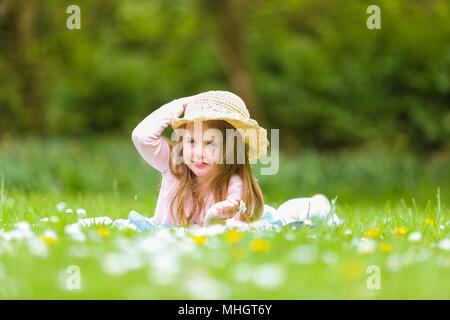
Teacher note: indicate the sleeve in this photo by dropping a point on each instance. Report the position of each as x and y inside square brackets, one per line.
[235, 191]
[147, 135]
[235, 188]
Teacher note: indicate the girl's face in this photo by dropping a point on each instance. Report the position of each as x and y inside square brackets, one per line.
[201, 154]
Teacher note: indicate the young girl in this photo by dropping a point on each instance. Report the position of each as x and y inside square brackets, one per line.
[200, 185]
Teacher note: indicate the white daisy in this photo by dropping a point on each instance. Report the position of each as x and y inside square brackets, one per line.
[54, 219]
[22, 225]
[204, 287]
[393, 262]
[187, 247]
[415, 236]
[329, 257]
[50, 234]
[22, 231]
[9, 202]
[117, 263]
[212, 230]
[61, 206]
[81, 213]
[423, 255]
[304, 254]
[37, 247]
[151, 245]
[74, 230]
[290, 236]
[269, 276]
[444, 244]
[443, 260]
[164, 268]
[242, 272]
[78, 251]
[366, 246]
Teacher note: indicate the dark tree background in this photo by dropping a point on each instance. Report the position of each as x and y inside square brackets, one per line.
[310, 68]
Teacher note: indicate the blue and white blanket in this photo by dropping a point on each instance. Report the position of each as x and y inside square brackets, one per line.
[271, 219]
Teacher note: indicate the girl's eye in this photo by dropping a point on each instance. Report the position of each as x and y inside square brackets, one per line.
[212, 144]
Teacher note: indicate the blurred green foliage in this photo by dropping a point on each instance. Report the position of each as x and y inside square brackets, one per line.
[113, 166]
[319, 73]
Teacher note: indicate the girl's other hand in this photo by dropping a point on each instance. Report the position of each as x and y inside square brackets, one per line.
[221, 211]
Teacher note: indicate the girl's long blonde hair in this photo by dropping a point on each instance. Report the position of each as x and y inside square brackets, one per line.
[218, 182]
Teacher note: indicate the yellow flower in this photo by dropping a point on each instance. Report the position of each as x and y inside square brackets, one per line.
[48, 239]
[429, 221]
[385, 247]
[103, 232]
[434, 234]
[233, 236]
[239, 253]
[260, 245]
[351, 270]
[200, 240]
[372, 233]
[400, 230]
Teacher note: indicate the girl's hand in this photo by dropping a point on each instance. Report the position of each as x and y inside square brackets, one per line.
[184, 102]
[221, 211]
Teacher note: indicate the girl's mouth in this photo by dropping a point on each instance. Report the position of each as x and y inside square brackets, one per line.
[200, 164]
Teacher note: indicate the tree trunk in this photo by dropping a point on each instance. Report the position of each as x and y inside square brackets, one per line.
[24, 13]
[231, 43]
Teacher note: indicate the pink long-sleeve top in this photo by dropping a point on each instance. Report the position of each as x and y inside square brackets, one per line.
[155, 151]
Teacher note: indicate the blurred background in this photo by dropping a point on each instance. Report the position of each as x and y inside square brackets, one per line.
[363, 114]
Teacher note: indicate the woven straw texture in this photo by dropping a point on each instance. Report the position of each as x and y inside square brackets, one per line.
[225, 105]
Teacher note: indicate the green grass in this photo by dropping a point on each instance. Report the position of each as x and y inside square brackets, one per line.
[378, 192]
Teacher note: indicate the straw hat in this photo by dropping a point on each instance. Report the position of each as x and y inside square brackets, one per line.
[224, 105]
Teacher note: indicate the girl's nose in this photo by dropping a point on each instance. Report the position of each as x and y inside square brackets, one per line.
[198, 154]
